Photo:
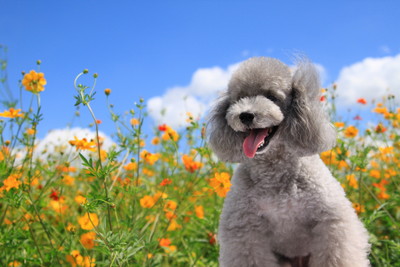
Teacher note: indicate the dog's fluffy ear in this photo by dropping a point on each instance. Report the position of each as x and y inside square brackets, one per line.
[223, 140]
[306, 126]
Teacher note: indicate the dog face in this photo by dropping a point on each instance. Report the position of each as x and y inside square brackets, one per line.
[266, 107]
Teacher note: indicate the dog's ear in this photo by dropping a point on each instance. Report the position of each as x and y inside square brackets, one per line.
[223, 140]
[306, 125]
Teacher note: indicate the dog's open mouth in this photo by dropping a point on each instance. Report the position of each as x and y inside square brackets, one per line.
[257, 140]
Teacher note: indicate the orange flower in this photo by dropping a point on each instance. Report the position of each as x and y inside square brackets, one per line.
[134, 122]
[15, 264]
[147, 202]
[170, 205]
[11, 113]
[190, 164]
[88, 221]
[164, 242]
[165, 182]
[173, 225]
[80, 199]
[107, 91]
[11, 182]
[199, 212]
[351, 132]
[155, 141]
[170, 134]
[362, 101]
[34, 81]
[83, 144]
[148, 157]
[351, 178]
[339, 124]
[358, 208]
[87, 240]
[130, 166]
[380, 128]
[221, 183]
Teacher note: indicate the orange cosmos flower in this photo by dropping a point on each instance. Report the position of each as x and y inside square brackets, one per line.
[34, 81]
[148, 157]
[164, 242]
[190, 164]
[351, 178]
[199, 212]
[351, 132]
[88, 221]
[362, 101]
[221, 183]
[11, 182]
[11, 113]
[83, 144]
[147, 202]
[87, 240]
[165, 182]
[380, 128]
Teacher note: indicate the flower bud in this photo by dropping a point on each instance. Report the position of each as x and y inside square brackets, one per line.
[107, 91]
[85, 71]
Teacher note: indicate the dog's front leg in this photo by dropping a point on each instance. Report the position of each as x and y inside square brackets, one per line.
[245, 249]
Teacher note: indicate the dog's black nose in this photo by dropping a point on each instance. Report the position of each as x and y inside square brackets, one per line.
[246, 118]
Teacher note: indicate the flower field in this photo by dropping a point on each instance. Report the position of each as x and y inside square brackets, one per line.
[158, 203]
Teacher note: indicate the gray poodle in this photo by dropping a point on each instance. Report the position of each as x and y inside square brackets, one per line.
[284, 207]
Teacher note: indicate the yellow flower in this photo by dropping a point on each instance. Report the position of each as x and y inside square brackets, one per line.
[11, 113]
[88, 221]
[221, 183]
[87, 240]
[147, 202]
[83, 144]
[351, 178]
[34, 81]
[199, 212]
[351, 132]
[11, 182]
[30, 131]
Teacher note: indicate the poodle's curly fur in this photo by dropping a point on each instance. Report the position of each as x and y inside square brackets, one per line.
[284, 208]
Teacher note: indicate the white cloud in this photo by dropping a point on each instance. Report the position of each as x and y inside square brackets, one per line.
[371, 79]
[172, 107]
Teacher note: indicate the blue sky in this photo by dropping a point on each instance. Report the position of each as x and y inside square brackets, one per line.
[146, 48]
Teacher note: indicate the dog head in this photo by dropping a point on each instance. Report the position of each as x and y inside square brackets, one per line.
[266, 108]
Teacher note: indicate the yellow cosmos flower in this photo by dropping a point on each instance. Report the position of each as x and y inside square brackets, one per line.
[34, 81]
[12, 113]
[221, 183]
[88, 221]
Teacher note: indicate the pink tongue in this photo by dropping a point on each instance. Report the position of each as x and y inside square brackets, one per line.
[252, 141]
